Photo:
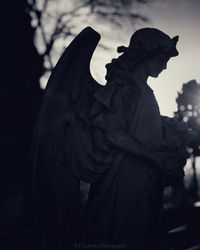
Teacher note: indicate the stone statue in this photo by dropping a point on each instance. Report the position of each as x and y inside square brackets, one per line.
[111, 136]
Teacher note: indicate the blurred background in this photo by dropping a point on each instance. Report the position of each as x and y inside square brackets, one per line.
[34, 34]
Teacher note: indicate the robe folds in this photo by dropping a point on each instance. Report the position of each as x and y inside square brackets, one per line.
[125, 204]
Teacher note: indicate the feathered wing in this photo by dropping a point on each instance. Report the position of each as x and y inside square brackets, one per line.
[69, 84]
[62, 131]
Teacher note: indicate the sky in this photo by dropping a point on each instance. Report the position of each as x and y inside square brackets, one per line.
[174, 17]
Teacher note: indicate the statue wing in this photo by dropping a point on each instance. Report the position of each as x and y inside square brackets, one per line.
[63, 136]
[62, 132]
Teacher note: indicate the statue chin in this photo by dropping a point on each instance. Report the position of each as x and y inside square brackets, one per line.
[155, 74]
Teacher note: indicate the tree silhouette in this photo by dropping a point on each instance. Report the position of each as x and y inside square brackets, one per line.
[188, 102]
[53, 24]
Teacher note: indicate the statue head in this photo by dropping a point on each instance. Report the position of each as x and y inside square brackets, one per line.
[152, 47]
[151, 41]
[149, 48]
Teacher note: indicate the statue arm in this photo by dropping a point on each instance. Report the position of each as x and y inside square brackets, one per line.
[126, 142]
[114, 122]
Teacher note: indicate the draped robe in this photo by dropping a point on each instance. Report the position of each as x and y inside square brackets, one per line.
[125, 203]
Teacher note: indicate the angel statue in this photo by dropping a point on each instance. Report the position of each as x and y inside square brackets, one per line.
[112, 137]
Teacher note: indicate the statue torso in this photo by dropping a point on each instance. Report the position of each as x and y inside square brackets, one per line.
[144, 117]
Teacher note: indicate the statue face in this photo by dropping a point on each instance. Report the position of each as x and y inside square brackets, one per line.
[156, 65]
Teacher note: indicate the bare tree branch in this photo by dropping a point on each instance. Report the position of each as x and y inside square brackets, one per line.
[116, 12]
